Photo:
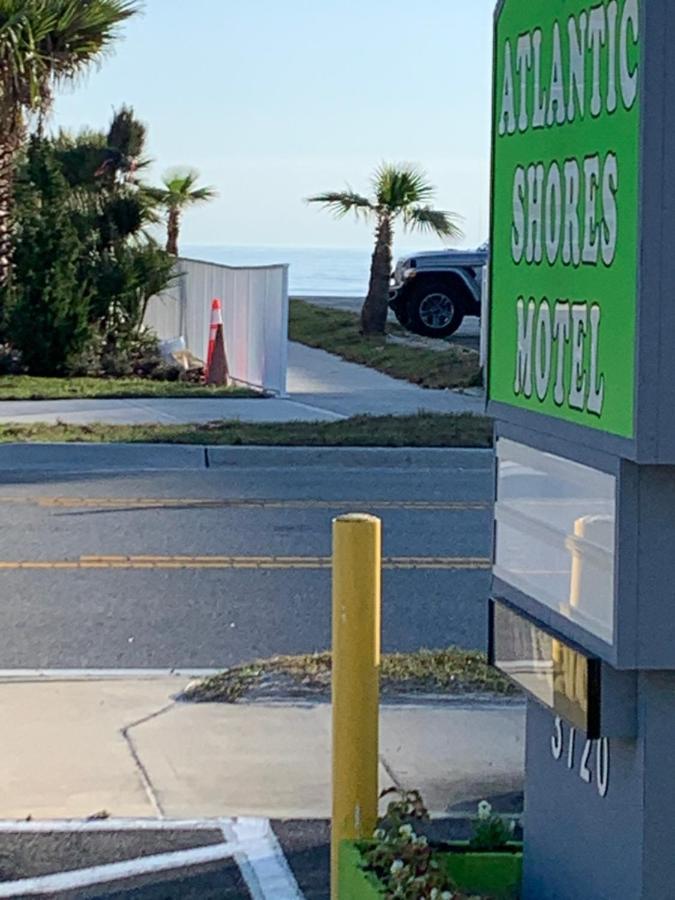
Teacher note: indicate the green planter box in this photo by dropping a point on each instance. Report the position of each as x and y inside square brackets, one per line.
[497, 875]
[355, 884]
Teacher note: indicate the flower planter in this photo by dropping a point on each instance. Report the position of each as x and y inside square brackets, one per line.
[496, 875]
[355, 884]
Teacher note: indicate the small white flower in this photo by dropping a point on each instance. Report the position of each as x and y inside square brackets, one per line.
[434, 895]
[406, 830]
[446, 895]
[484, 810]
[512, 825]
[396, 866]
[422, 841]
[379, 834]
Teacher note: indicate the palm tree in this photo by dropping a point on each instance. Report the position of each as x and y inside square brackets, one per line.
[179, 193]
[399, 192]
[42, 44]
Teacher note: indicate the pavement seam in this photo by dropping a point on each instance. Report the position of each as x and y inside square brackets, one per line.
[143, 772]
[167, 417]
[334, 416]
[390, 773]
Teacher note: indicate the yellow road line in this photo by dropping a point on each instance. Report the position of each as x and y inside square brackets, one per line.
[240, 562]
[115, 503]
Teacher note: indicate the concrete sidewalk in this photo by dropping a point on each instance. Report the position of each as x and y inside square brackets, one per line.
[124, 746]
[321, 380]
[322, 388]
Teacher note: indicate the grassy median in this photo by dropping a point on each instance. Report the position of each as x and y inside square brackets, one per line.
[337, 331]
[422, 430]
[451, 671]
[28, 387]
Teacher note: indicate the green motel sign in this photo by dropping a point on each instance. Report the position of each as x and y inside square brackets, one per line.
[565, 213]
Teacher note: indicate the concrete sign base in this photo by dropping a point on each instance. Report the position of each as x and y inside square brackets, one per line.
[598, 814]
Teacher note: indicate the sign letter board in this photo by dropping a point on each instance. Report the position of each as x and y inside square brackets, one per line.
[581, 320]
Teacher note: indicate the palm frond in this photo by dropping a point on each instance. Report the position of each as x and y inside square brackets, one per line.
[47, 41]
[424, 218]
[397, 186]
[180, 178]
[341, 203]
[179, 190]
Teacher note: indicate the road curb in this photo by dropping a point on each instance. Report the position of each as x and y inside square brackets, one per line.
[76, 457]
[100, 457]
[352, 457]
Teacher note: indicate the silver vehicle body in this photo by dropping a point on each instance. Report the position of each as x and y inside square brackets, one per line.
[466, 264]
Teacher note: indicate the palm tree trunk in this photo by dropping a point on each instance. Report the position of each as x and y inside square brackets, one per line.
[376, 306]
[7, 151]
[173, 229]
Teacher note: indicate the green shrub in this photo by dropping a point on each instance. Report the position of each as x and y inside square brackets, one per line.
[125, 277]
[47, 302]
[120, 354]
[10, 361]
[84, 269]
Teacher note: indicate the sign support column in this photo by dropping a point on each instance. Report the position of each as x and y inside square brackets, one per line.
[581, 383]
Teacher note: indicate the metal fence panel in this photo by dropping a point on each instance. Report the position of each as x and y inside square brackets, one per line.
[255, 317]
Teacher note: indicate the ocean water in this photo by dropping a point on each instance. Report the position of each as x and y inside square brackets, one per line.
[313, 271]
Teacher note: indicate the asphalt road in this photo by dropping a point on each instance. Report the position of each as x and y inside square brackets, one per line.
[201, 569]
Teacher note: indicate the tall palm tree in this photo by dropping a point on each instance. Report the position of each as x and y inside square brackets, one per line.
[180, 191]
[399, 192]
[42, 44]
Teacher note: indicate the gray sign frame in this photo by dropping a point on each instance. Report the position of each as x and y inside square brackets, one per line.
[644, 577]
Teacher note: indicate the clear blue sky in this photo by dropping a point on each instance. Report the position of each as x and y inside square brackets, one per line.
[273, 100]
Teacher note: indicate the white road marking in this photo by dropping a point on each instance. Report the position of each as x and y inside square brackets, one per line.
[134, 868]
[262, 862]
[252, 843]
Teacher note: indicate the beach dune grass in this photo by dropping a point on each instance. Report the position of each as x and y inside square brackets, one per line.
[337, 332]
[28, 387]
[421, 430]
[450, 671]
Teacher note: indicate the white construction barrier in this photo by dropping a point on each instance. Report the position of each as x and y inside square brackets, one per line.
[255, 316]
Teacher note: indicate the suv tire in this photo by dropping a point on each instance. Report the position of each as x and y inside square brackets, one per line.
[434, 310]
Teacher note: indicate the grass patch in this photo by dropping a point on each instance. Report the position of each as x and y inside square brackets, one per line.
[337, 331]
[422, 430]
[452, 671]
[27, 387]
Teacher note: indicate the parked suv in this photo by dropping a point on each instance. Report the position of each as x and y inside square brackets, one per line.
[432, 292]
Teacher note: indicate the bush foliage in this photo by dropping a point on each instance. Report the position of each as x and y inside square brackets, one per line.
[84, 267]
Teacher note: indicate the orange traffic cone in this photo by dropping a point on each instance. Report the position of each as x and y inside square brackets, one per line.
[216, 360]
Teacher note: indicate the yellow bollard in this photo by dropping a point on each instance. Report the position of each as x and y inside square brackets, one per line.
[357, 569]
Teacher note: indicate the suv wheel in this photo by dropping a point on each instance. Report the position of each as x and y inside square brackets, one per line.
[433, 311]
